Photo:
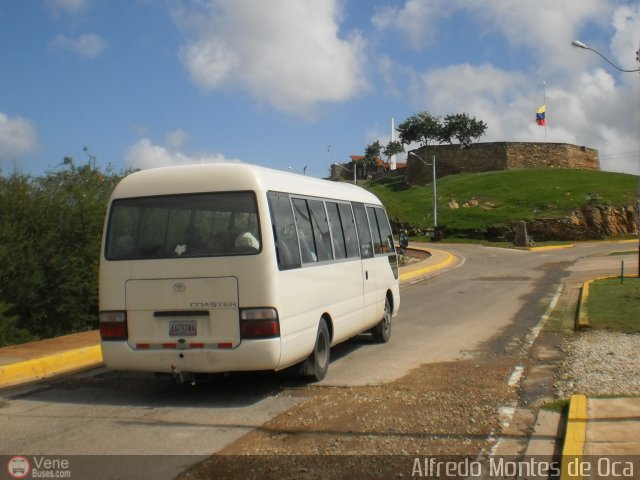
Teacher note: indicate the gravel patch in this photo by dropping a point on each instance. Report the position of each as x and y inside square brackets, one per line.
[599, 363]
[444, 409]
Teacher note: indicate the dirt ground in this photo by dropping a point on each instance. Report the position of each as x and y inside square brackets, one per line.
[447, 409]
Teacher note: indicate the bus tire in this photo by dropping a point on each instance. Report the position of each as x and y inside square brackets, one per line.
[316, 365]
[382, 331]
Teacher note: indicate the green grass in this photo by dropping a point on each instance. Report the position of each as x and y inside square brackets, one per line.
[558, 406]
[503, 196]
[613, 305]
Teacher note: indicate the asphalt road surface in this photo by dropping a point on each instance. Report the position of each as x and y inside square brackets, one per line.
[480, 304]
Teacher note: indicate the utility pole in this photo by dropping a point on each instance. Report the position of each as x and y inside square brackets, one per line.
[435, 189]
[579, 44]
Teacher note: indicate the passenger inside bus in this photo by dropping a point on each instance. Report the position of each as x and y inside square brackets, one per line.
[247, 240]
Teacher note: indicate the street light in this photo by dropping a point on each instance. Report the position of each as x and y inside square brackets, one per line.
[435, 191]
[579, 44]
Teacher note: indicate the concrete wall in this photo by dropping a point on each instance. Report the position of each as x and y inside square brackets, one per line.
[483, 157]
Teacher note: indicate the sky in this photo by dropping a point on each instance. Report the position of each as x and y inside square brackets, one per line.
[301, 84]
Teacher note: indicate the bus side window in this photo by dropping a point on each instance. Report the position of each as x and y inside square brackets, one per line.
[286, 238]
[385, 230]
[378, 246]
[305, 230]
[337, 234]
[364, 234]
[321, 233]
[349, 229]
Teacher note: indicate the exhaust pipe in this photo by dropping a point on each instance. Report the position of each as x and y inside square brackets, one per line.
[182, 377]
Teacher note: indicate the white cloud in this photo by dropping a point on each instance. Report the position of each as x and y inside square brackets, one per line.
[597, 112]
[416, 19]
[177, 139]
[144, 154]
[450, 87]
[17, 136]
[88, 45]
[69, 6]
[287, 53]
[544, 27]
[626, 40]
[588, 102]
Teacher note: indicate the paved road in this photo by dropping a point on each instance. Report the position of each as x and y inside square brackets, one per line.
[491, 296]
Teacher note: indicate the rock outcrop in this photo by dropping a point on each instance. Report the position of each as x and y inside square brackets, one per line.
[585, 223]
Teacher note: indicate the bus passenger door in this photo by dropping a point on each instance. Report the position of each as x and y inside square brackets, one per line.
[369, 287]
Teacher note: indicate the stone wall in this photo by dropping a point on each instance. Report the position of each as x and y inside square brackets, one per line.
[483, 157]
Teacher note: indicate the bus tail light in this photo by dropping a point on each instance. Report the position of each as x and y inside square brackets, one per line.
[259, 323]
[113, 325]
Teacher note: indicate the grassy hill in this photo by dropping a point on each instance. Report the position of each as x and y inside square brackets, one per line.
[502, 196]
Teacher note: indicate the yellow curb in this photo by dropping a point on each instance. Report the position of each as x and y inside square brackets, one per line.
[425, 270]
[550, 247]
[37, 368]
[571, 245]
[574, 438]
[583, 319]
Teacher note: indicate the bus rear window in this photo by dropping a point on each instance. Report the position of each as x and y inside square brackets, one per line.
[177, 226]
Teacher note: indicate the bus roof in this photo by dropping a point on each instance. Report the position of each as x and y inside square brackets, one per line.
[209, 177]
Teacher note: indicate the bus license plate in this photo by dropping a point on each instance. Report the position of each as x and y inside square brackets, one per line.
[183, 328]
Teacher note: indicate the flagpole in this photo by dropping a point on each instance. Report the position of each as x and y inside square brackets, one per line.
[544, 88]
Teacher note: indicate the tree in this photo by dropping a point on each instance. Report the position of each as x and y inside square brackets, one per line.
[371, 155]
[423, 128]
[392, 148]
[50, 233]
[10, 332]
[461, 127]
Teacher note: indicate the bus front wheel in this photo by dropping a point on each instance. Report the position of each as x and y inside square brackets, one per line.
[316, 365]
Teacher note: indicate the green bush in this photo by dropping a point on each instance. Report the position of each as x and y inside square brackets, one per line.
[50, 234]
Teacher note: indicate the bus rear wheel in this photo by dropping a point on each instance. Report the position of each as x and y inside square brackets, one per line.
[316, 365]
[382, 331]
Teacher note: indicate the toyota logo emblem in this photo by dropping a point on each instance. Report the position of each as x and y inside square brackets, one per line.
[179, 287]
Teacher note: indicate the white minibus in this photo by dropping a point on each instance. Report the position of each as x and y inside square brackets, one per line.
[228, 267]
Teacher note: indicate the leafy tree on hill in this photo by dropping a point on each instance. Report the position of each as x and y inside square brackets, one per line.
[462, 128]
[392, 148]
[371, 155]
[423, 128]
[373, 151]
[426, 129]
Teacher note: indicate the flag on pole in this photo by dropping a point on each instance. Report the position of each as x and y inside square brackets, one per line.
[540, 116]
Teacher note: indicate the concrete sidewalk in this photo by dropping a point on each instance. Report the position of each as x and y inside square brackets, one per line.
[37, 360]
[602, 435]
[603, 426]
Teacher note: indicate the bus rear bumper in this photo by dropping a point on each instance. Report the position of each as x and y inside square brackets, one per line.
[250, 355]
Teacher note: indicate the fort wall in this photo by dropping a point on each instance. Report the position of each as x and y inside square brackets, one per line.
[483, 157]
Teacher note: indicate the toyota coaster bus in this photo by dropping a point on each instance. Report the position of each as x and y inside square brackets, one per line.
[233, 267]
